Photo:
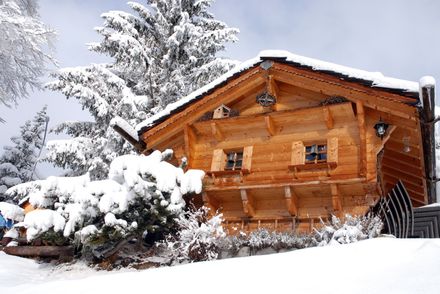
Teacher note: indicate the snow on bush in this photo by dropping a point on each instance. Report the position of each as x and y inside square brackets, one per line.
[40, 221]
[352, 229]
[11, 211]
[142, 195]
[197, 238]
[338, 231]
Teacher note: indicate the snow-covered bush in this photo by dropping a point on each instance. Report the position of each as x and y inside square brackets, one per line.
[348, 230]
[43, 221]
[11, 211]
[142, 195]
[263, 238]
[197, 237]
[351, 229]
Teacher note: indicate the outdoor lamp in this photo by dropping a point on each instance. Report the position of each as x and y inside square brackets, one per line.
[381, 128]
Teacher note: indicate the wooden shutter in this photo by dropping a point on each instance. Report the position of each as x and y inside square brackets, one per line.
[218, 160]
[298, 153]
[247, 158]
[332, 150]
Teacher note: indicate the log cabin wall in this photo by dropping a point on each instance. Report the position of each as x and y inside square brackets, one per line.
[274, 187]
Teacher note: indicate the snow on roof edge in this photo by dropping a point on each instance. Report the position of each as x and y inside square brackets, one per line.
[377, 79]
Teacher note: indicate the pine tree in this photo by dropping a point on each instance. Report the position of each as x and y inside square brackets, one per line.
[23, 39]
[162, 52]
[18, 161]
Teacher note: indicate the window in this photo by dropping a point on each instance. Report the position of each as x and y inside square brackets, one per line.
[231, 161]
[234, 160]
[316, 153]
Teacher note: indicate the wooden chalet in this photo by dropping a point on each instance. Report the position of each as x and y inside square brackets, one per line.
[286, 140]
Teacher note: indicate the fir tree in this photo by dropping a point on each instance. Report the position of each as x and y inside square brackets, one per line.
[18, 161]
[22, 40]
[162, 52]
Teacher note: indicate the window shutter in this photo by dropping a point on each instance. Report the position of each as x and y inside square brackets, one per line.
[247, 158]
[298, 153]
[332, 150]
[218, 160]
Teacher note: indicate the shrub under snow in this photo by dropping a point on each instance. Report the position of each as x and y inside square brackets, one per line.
[11, 211]
[348, 230]
[352, 229]
[142, 195]
[197, 238]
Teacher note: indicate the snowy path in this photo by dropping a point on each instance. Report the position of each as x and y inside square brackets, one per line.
[382, 265]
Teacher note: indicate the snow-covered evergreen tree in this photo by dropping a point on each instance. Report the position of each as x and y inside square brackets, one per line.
[160, 53]
[18, 161]
[23, 41]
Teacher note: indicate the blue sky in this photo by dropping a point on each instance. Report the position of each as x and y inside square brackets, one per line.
[398, 38]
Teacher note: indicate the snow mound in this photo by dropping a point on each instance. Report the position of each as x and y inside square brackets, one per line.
[381, 265]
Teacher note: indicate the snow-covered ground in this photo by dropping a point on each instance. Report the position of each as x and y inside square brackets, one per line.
[382, 265]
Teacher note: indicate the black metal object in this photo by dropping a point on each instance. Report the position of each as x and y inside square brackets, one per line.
[265, 99]
[402, 220]
[427, 222]
[381, 128]
[396, 211]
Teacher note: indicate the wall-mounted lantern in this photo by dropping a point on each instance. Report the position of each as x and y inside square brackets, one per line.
[381, 128]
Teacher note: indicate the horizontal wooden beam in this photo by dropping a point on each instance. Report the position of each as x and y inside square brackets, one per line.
[296, 183]
[137, 144]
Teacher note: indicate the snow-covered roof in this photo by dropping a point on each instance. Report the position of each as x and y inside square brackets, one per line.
[372, 79]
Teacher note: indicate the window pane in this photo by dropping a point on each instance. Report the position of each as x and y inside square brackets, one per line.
[322, 148]
[310, 157]
[308, 149]
[238, 164]
[229, 164]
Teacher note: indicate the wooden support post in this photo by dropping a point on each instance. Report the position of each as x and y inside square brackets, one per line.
[336, 199]
[248, 203]
[273, 87]
[291, 201]
[189, 138]
[273, 90]
[328, 118]
[211, 203]
[216, 132]
[362, 139]
[270, 126]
